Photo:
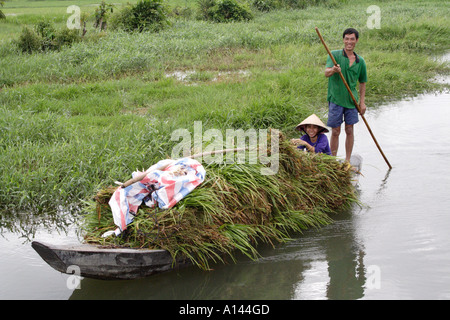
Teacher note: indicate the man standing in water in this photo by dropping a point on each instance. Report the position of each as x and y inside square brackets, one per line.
[340, 103]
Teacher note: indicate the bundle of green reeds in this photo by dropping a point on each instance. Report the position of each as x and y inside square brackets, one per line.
[234, 208]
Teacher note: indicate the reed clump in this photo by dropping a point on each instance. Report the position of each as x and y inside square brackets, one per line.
[234, 209]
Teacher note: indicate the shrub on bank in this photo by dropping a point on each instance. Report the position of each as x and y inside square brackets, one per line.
[29, 41]
[265, 5]
[44, 37]
[2, 15]
[224, 10]
[146, 15]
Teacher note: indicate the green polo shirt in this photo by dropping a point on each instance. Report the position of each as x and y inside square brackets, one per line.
[337, 92]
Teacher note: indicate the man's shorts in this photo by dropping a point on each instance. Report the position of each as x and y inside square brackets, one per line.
[338, 114]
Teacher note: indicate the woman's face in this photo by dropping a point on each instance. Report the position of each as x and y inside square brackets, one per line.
[312, 130]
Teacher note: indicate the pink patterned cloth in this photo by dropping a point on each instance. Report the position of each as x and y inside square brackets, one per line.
[166, 183]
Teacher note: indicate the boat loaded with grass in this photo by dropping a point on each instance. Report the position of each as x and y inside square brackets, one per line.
[234, 209]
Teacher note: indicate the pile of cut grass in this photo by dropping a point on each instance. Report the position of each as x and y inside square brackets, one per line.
[234, 208]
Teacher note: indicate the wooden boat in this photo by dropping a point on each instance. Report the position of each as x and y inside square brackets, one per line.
[94, 261]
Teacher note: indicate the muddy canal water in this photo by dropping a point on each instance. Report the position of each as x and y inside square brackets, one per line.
[396, 246]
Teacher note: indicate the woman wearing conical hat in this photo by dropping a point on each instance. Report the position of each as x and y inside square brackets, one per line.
[314, 140]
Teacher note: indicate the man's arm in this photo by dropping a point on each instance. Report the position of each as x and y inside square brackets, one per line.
[362, 97]
[330, 71]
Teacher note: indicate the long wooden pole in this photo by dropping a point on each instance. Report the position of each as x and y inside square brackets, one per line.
[353, 98]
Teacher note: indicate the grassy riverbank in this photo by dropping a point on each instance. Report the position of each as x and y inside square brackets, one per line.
[77, 119]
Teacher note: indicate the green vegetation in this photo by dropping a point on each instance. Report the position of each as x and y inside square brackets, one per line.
[44, 37]
[75, 119]
[146, 15]
[101, 14]
[2, 15]
[224, 10]
[235, 208]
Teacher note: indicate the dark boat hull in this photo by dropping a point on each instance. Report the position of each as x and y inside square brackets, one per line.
[107, 263]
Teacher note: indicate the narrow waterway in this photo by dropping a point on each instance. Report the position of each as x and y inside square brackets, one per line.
[395, 246]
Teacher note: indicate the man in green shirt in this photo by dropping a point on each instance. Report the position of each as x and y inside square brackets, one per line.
[340, 103]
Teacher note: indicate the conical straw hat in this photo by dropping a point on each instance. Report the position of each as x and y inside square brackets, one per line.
[312, 119]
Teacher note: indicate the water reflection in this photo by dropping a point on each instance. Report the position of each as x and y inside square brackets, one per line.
[25, 225]
[341, 268]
